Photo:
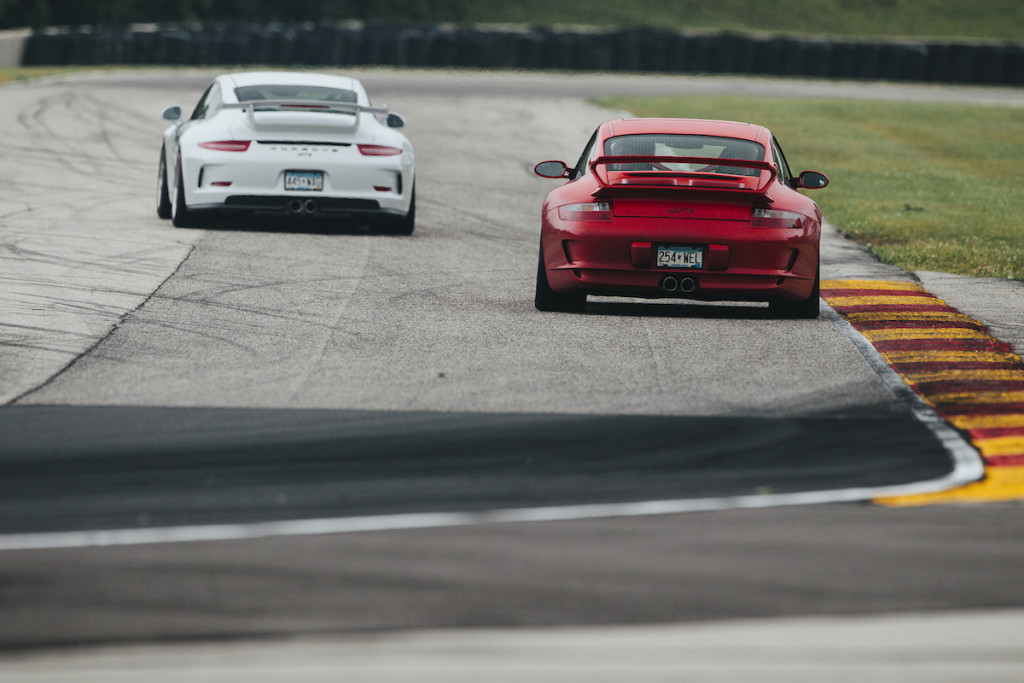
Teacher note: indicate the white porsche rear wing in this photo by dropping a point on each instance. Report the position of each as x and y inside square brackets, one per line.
[335, 116]
[306, 105]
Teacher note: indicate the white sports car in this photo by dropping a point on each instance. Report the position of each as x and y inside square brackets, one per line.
[300, 144]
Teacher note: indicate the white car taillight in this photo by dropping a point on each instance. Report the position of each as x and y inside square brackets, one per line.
[591, 211]
[226, 145]
[378, 150]
[776, 218]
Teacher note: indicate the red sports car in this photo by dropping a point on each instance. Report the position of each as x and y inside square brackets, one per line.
[680, 208]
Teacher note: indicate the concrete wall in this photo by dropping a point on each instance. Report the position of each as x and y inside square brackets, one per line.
[12, 46]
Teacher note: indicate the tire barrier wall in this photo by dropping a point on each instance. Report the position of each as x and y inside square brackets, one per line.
[646, 50]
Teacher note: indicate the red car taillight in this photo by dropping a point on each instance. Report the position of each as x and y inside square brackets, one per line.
[226, 145]
[591, 211]
[776, 218]
[378, 150]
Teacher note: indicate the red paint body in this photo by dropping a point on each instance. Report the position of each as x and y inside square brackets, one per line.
[678, 200]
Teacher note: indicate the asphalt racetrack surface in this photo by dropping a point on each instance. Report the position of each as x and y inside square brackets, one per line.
[223, 466]
[157, 378]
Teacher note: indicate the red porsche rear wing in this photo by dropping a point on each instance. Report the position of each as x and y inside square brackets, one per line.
[669, 180]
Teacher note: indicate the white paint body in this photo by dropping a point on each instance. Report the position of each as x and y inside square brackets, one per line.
[299, 138]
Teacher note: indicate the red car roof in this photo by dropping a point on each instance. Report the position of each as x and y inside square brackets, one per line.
[728, 129]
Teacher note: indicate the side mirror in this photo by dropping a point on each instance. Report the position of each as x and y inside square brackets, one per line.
[551, 169]
[172, 113]
[812, 180]
[395, 121]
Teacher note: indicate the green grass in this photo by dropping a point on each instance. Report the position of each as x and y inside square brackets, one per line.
[873, 19]
[926, 186]
[25, 73]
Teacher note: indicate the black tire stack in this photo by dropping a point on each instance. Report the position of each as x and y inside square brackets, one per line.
[425, 45]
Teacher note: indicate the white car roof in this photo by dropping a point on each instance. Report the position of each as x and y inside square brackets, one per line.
[245, 78]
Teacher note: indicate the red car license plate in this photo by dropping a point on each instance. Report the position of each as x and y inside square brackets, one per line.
[680, 257]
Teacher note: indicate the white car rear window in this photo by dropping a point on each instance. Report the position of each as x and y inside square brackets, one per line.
[306, 93]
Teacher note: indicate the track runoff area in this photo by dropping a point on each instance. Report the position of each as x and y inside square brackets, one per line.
[971, 379]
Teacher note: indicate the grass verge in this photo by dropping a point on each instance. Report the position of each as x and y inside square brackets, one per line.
[926, 186]
[26, 73]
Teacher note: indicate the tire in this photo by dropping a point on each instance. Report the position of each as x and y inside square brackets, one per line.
[403, 225]
[803, 310]
[163, 197]
[180, 215]
[547, 299]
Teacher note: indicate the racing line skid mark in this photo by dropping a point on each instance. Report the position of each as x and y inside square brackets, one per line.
[971, 379]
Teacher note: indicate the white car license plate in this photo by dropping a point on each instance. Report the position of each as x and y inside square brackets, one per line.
[310, 181]
[680, 257]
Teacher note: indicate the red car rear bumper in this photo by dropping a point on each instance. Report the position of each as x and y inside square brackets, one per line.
[740, 263]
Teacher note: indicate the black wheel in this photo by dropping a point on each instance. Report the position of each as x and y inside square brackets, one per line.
[163, 197]
[806, 309]
[180, 215]
[547, 299]
[402, 225]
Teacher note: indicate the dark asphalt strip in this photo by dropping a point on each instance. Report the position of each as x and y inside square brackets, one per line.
[130, 467]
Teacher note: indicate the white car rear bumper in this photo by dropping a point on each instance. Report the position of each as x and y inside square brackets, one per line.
[350, 182]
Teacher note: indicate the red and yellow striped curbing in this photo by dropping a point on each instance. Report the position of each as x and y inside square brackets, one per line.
[970, 378]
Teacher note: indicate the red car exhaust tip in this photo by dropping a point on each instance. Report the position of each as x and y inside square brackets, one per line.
[686, 285]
